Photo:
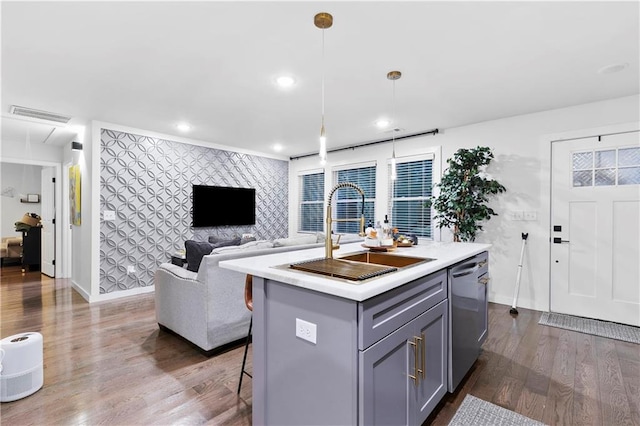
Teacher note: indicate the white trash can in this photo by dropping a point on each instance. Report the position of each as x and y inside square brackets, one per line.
[21, 367]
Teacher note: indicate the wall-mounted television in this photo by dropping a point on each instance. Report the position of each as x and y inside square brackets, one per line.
[223, 206]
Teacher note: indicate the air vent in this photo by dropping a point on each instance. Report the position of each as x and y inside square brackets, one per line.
[42, 115]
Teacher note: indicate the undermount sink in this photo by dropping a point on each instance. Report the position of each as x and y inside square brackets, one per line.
[359, 266]
[386, 259]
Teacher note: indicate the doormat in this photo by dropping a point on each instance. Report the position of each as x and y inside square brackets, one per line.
[475, 411]
[612, 330]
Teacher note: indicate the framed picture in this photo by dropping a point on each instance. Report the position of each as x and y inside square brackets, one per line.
[74, 194]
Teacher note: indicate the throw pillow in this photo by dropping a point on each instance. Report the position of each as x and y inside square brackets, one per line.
[194, 251]
[247, 239]
[225, 243]
[214, 239]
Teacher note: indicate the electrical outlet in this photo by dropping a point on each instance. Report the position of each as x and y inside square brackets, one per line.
[109, 215]
[515, 215]
[531, 215]
[131, 269]
[306, 330]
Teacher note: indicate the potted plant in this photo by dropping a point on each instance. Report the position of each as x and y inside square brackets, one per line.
[464, 192]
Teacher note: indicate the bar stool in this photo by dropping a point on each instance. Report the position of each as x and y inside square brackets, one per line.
[248, 300]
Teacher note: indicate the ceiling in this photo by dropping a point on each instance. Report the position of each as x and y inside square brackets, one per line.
[150, 65]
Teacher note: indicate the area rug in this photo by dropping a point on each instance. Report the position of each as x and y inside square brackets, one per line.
[611, 330]
[475, 411]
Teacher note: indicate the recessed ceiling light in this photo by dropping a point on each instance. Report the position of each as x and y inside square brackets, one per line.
[613, 68]
[277, 147]
[183, 127]
[382, 123]
[285, 81]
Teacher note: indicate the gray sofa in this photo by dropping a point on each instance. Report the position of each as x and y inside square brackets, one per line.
[207, 307]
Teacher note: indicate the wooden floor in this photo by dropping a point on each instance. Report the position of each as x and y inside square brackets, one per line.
[107, 363]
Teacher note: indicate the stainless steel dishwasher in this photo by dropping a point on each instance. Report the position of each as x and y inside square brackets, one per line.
[467, 315]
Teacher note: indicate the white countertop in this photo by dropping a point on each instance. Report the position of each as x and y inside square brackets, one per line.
[445, 254]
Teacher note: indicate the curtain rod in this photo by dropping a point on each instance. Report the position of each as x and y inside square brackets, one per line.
[428, 132]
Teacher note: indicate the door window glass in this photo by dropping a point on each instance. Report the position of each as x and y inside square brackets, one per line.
[606, 167]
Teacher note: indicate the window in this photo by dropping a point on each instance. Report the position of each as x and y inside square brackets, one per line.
[607, 167]
[409, 192]
[311, 202]
[347, 202]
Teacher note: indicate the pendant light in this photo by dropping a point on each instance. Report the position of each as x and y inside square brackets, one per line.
[393, 76]
[323, 21]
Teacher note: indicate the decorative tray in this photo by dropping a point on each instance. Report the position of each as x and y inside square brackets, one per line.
[379, 248]
[409, 244]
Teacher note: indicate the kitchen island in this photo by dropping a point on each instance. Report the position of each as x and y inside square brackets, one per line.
[332, 351]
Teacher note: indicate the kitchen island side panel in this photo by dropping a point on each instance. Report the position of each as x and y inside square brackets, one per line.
[302, 382]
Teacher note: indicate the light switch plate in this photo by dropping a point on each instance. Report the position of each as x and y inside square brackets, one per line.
[109, 215]
[306, 330]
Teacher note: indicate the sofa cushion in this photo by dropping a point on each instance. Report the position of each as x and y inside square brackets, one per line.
[295, 241]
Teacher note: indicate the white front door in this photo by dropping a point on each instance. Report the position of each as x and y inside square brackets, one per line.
[48, 243]
[595, 228]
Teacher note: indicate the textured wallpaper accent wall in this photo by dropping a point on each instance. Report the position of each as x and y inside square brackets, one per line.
[148, 183]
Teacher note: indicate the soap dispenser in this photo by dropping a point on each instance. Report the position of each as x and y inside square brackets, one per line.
[387, 236]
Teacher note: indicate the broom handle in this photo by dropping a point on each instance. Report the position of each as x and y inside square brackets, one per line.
[515, 295]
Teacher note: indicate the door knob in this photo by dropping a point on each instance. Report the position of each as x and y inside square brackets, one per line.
[558, 240]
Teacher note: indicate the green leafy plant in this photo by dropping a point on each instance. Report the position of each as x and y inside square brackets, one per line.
[464, 192]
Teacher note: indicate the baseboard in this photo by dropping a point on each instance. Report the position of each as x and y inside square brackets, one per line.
[86, 296]
[520, 303]
[119, 294]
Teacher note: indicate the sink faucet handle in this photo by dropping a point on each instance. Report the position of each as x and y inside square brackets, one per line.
[336, 243]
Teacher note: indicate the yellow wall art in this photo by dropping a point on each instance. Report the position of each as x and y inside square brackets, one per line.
[74, 194]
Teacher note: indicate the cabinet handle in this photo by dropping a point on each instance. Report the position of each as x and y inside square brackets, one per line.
[463, 272]
[424, 354]
[415, 362]
[484, 281]
[420, 349]
[481, 264]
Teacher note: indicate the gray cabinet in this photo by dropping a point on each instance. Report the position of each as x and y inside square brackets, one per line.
[403, 376]
[358, 368]
[432, 386]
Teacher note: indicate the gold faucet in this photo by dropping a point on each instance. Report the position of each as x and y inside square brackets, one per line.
[328, 243]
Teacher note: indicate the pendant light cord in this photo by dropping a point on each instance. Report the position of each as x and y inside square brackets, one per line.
[322, 70]
[394, 120]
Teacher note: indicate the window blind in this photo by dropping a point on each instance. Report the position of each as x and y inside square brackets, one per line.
[409, 192]
[347, 202]
[311, 202]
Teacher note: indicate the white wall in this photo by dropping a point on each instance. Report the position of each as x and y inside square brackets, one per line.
[522, 149]
[82, 235]
[24, 179]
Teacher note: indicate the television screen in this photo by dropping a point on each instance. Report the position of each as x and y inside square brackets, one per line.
[221, 206]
